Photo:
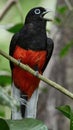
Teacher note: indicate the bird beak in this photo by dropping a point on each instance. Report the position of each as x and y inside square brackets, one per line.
[44, 13]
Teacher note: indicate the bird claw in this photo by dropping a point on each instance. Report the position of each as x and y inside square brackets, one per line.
[36, 73]
[23, 101]
[19, 61]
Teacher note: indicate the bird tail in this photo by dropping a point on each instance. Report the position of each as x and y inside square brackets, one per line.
[23, 104]
[31, 107]
[15, 112]
[28, 107]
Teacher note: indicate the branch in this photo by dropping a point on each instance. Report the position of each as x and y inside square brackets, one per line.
[20, 11]
[7, 100]
[69, 5]
[7, 6]
[41, 77]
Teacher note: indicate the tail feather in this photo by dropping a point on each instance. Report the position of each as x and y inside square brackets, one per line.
[23, 104]
[31, 107]
[28, 107]
[16, 114]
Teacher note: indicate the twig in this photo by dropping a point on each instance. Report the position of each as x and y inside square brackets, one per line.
[20, 11]
[30, 70]
[7, 100]
[69, 5]
[7, 6]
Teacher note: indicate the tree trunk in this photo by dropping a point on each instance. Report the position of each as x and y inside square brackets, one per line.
[59, 70]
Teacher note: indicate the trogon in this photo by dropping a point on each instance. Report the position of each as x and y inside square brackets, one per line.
[32, 47]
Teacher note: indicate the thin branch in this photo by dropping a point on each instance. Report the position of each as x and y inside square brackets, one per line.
[30, 70]
[20, 11]
[69, 5]
[6, 8]
[7, 100]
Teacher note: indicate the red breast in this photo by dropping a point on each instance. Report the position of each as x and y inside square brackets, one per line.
[25, 81]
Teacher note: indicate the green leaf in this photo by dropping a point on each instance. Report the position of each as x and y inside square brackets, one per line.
[15, 28]
[57, 20]
[66, 110]
[65, 49]
[5, 78]
[62, 9]
[71, 120]
[2, 113]
[3, 125]
[26, 124]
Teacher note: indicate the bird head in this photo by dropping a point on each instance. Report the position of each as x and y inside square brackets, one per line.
[37, 14]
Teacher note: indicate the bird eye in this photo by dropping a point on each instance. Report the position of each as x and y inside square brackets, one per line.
[37, 11]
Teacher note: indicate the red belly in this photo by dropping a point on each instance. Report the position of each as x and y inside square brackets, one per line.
[25, 81]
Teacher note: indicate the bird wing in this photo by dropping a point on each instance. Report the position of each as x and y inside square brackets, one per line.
[13, 44]
[50, 46]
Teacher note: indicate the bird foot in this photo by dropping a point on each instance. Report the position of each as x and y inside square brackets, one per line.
[36, 73]
[19, 61]
[23, 101]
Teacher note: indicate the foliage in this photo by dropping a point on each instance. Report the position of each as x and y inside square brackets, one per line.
[68, 112]
[7, 100]
[26, 124]
[3, 125]
[66, 49]
[15, 28]
[5, 78]
[62, 9]
[62, 12]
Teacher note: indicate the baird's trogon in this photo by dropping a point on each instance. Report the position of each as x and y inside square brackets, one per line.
[32, 47]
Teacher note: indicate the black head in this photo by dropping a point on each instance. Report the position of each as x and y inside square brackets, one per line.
[36, 14]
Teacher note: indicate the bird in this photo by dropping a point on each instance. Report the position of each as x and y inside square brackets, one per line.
[32, 47]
